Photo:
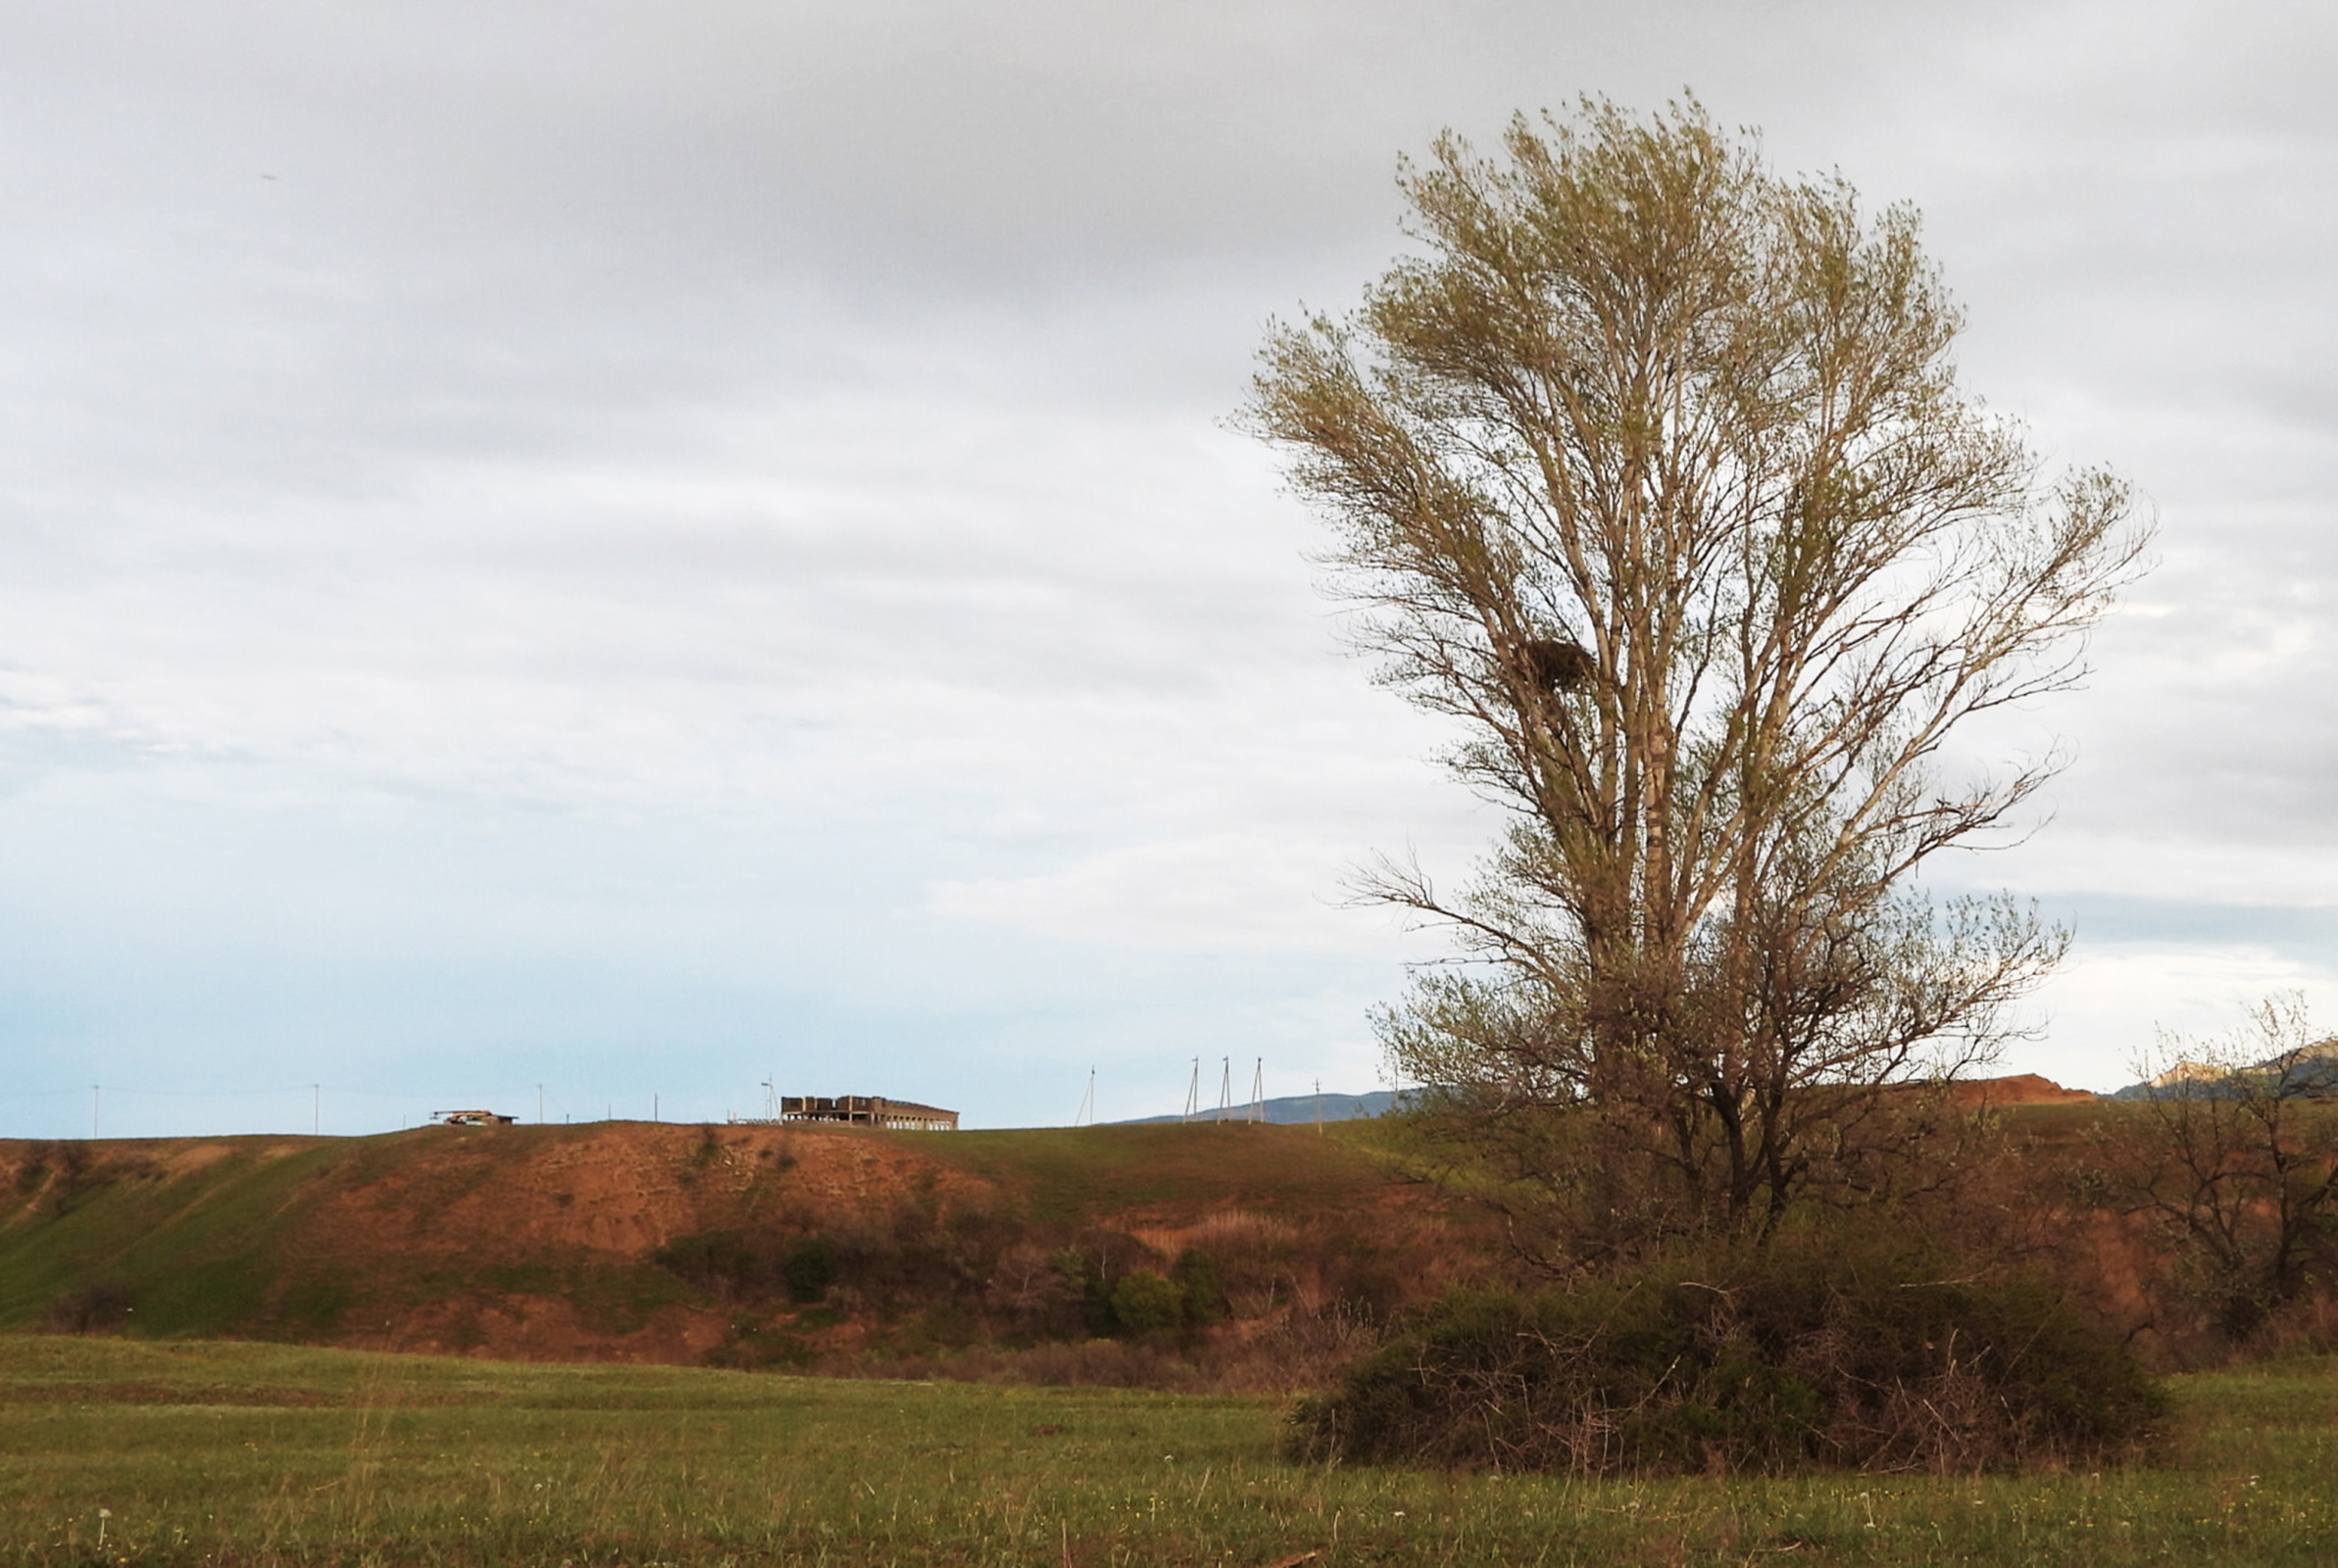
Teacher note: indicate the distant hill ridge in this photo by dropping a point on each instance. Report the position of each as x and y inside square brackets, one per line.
[2311, 1073]
[1291, 1111]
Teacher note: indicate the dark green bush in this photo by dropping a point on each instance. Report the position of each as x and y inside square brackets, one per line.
[718, 1261]
[1202, 1287]
[1144, 1302]
[1815, 1356]
[1091, 1271]
[809, 1268]
[93, 1310]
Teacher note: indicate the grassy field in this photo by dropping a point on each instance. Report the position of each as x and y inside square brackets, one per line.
[115, 1451]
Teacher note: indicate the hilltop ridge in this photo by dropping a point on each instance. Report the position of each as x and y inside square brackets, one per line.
[1289, 1110]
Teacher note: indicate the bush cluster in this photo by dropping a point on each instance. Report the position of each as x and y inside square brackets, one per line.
[1836, 1355]
[970, 1294]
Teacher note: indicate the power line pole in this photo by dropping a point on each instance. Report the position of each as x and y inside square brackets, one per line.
[1318, 1107]
[93, 1113]
[539, 1104]
[1226, 1086]
[1258, 1090]
[1193, 1093]
[1087, 1103]
[315, 1111]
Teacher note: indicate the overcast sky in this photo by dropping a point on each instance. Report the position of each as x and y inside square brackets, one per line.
[642, 549]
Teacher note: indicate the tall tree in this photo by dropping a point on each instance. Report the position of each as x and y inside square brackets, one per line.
[1652, 468]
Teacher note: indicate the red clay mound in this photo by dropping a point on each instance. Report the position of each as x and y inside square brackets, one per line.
[621, 1189]
[2022, 1089]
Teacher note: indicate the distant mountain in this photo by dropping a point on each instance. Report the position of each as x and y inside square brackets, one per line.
[1295, 1110]
[2025, 1088]
[2310, 1074]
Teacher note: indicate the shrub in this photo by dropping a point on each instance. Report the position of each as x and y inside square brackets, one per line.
[1841, 1357]
[92, 1309]
[808, 1269]
[1144, 1302]
[1092, 1270]
[719, 1262]
[1201, 1287]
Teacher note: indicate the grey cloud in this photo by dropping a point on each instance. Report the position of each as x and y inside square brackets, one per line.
[741, 414]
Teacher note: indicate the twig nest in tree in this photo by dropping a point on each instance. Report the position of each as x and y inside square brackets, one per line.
[1557, 665]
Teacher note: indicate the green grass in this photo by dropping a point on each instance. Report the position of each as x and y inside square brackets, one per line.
[1074, 1175]
[192, 1241]
[258, 1455]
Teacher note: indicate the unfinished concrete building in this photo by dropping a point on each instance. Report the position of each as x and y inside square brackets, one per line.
[869, 1111]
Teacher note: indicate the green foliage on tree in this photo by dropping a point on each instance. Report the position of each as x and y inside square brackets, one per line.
[1650, 470]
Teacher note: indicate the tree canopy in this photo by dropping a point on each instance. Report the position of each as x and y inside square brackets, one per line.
[1652, 468]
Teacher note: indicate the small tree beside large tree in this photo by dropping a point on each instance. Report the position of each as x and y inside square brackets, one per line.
[1652, 470]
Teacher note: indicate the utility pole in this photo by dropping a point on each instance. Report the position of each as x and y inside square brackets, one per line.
[93, 1113]
[539, 1104]
[1226, 1086]
[1318, 1107]
[1258, 1090]
[1193, 1091]
[654, 1110]
[315, 1111]
[1087, 1103]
